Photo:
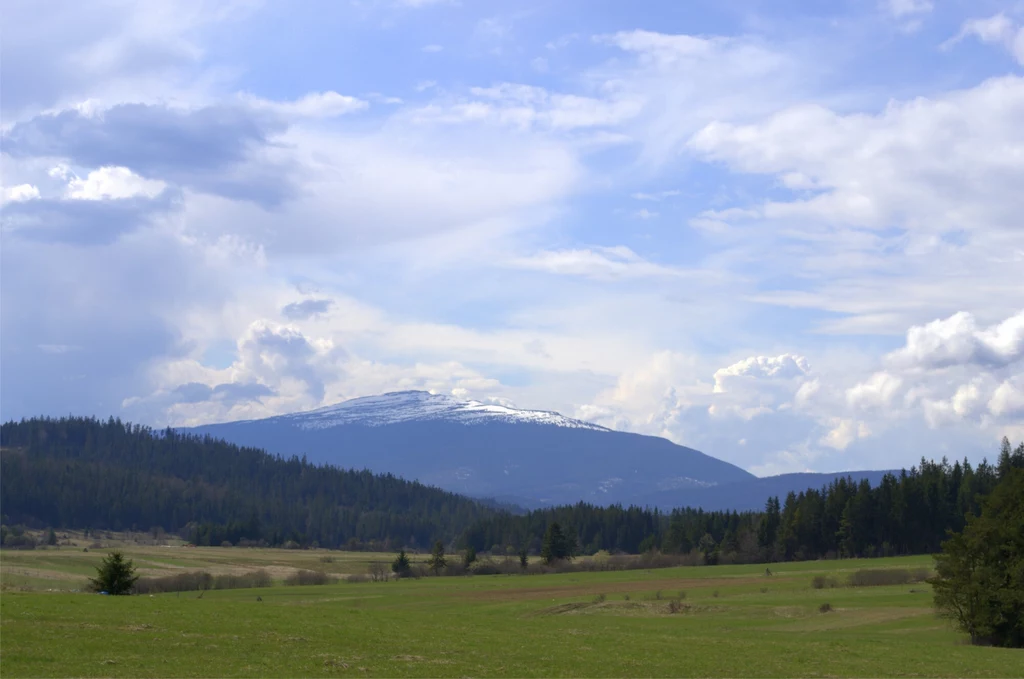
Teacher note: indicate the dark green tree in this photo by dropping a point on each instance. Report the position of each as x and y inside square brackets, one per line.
[437, 562]
[979, 581]
[51, 537]
[557, 545]
[524, 558]
[401, 566]
[114, 575]
[469, 556]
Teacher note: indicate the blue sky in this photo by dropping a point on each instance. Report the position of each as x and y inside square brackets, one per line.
[784, 233]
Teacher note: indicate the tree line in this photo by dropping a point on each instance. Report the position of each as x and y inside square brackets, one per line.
[906, 513]
[110, 475]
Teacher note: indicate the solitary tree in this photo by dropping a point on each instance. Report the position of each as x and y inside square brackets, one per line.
[51, 537]
[524, 558]
[114, 575]
[469, 557]
[437, 562]
[557, 545]
[979, 581]
[401, 565]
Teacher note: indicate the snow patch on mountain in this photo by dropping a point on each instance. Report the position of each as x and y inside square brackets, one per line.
[407, 406]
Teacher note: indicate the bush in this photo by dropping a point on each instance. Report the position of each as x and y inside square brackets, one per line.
[674, 606]
[821, 582]
[195, 581]
[825, 608]
[327, 558]
[600, 599]
[888, 576]
[304, 577]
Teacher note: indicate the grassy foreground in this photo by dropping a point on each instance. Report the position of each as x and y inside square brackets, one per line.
[732, 621]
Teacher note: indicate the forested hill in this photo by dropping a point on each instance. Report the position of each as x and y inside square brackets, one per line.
[86, 473]
[906, 513]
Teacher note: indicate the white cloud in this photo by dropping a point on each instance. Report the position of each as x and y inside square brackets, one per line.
[958, 340]
[843, 433]
[656, 197]
[21, 192]
[313, 105]
[878, 391]
[600, 263]
[113, 183]
[997, 29]
[786, 366]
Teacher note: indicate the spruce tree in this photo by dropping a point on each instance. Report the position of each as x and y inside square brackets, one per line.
[437, 562]
[114, 575]
[401, 566]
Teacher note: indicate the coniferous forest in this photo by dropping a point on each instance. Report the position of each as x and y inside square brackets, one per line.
[87, 473]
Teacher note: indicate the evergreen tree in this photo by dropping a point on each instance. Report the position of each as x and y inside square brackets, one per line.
[469, 556]
[437, 562]
[51, 537]
[556, 545]
[114, 575]
[979, 580]
[401, 565]
[524, 558]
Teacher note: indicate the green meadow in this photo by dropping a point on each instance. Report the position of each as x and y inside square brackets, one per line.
[698, 621]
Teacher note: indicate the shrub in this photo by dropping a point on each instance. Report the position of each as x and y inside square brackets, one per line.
[194, 581]
[825, 608]
[821, 582]
[682, 594]
[715, 594]
[304, 577]
[600, 599]
[674, 606]
[888, 576]
[327, 558]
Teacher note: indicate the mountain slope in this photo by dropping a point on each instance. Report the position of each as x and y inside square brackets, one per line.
[527, 456]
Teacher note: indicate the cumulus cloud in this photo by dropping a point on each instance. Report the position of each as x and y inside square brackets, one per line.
[15, 194]
[205, 148]
[113, 183]
[958, 340]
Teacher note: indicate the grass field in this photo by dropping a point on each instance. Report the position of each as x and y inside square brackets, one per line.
[730, 621]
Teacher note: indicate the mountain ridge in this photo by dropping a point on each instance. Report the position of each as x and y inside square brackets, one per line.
[483, 450]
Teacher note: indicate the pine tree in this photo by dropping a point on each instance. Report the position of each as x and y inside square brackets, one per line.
[114, 575]
[556, 545]
[401, 565]
[437, 562]
[469, 557]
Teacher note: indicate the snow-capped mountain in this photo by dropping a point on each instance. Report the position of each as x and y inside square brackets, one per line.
[487, 450]
[405, 406]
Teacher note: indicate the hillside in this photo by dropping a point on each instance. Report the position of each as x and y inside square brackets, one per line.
[535, 458]
[78, 472]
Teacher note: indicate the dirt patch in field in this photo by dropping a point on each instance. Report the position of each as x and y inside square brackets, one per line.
[568, 591]
[842, 618]
[649, 608]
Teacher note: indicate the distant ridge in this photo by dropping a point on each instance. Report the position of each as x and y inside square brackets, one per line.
[532, 457]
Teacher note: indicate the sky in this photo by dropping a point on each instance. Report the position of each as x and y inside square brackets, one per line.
[787, 234]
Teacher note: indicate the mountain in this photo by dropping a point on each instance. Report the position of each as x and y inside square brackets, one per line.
[751, 494]
[529, 457]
